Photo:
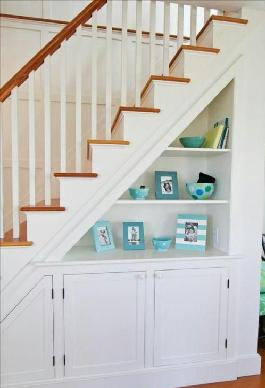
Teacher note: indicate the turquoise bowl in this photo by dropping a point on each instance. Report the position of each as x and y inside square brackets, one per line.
[139, 193]
[161, 243]
[200, 190]
[192, 141]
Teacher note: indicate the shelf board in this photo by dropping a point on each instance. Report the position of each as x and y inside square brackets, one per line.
[171, 202]
[199, 152]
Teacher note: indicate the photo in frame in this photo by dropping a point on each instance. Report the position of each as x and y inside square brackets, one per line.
[102, 235]
[133, 236]
[166, 185]
[191, 232]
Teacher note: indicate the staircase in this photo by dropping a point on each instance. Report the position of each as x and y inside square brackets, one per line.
[43, 221]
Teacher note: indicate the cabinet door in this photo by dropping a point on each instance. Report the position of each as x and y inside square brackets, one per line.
[190, 315]
[27, 337]
[104, 322]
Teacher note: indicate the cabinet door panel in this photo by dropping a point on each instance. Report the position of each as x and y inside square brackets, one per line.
[27, 337]
[104, 322]
[190, 315]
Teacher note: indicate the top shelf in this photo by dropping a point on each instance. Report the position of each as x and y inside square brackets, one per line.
[199, 152]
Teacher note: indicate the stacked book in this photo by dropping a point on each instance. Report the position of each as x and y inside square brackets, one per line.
[217, 136]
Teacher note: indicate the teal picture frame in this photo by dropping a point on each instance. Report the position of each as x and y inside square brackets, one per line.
[102, 235]
[133, 236]
[166, 185]
[191, 232]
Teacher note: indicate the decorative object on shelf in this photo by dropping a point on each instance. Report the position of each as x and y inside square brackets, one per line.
[213, 136]
[200, 190]
[161, 243]
[166, 183]
[224, 136]
[103, 236]
[139, 193]
[192, 141]
[133, 236]
[191, 232]
[205, 178]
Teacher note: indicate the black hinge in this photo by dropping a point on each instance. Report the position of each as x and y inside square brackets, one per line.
[52, 293]
[53, 361]
[63, 293]
[64, 359]
[226, 343]
[228, 283]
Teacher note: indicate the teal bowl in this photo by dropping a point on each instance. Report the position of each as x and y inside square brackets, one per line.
[161, 243]
[139, 193]
[200, 190]
[192, 142]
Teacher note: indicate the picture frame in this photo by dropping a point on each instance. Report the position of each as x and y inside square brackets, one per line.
[166, 185]
[191, 232]
[133, 236]
[102, 235]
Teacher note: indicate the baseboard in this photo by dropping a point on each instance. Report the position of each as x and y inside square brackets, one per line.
[164, 377]
[249, 365]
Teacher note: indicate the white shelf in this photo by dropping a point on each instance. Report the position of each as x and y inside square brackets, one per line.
[172, 202]
[199, 152]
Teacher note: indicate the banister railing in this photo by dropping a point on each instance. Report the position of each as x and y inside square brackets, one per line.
[52, 46]
[71, 90]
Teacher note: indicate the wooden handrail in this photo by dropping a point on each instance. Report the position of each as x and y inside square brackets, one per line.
[53, 45]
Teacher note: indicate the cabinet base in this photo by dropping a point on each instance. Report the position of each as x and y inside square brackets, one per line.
[165, 377]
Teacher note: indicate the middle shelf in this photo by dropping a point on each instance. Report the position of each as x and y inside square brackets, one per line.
[172, 202]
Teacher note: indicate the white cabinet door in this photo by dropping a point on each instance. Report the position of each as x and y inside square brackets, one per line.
[190, 315]
[104, 322]
[27, 337]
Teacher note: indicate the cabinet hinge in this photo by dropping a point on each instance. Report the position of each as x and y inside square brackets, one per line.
[64, 359]
[226, 343]
[52, 293]
[63, 293]
[53, 360]
[228, 283]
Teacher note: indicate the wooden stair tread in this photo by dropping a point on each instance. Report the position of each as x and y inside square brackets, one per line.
[75, 174]
[46, 208]
[221, 19]
[15, 243]
[193, 48]
[132, 109]
[163, 78]
[118, 142]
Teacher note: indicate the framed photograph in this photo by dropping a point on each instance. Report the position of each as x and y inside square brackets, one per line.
[103, 236]
[166, 183]
[133, 236]
[191, 232]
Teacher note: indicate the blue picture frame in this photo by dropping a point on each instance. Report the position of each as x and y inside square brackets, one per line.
[191, 232]
[133, 236]
[102, 235]
[166, 185]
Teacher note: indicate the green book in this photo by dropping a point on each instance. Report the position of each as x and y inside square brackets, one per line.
[213, 136]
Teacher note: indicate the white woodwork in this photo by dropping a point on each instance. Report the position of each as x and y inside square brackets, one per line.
[15, 162]
[78, 103]
[180, 25]
[166, 37]
[63, 106]
[47, 132]
[2, 231]
[32, 153]
[206, 14]
[104, 322]
[94, 76]
[152, 23]
[124, 53]
[109, 70]
[193, 24]
[27, 337]
[190, 326]
[138, 56]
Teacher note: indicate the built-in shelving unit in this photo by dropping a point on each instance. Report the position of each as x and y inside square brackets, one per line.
[171, 202]
[190, 152]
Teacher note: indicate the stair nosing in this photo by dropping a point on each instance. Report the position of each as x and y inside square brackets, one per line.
[42, 208]
[193, 48]
[132, 109]
[75, 175]
[15, 243]
[163, 78]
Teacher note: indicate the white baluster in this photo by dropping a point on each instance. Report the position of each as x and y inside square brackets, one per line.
[220, 12]
[166, 37]
[193, 24]
[78, 103]
[47, 133]
[109, 70]
[124, 53]
[2, 232]
[180, 25]
[138, 59]
[32, 153]
[63, 105]
[94, 76]
[15, 162]
[207, 14]
[152, 36]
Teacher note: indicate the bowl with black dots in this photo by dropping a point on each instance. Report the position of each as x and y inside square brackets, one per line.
[200, 190]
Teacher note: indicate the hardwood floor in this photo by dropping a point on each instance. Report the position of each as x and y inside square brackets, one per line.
[243, 382]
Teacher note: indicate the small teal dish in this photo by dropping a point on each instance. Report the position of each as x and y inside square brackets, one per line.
[161, 243]
[139, 193]
[192, 141]
[200, 190]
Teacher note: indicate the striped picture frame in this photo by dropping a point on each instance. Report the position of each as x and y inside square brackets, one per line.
[191, 232]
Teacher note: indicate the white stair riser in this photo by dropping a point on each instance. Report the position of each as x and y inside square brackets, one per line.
[106, 159]
[190, 62]
[222, 34]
